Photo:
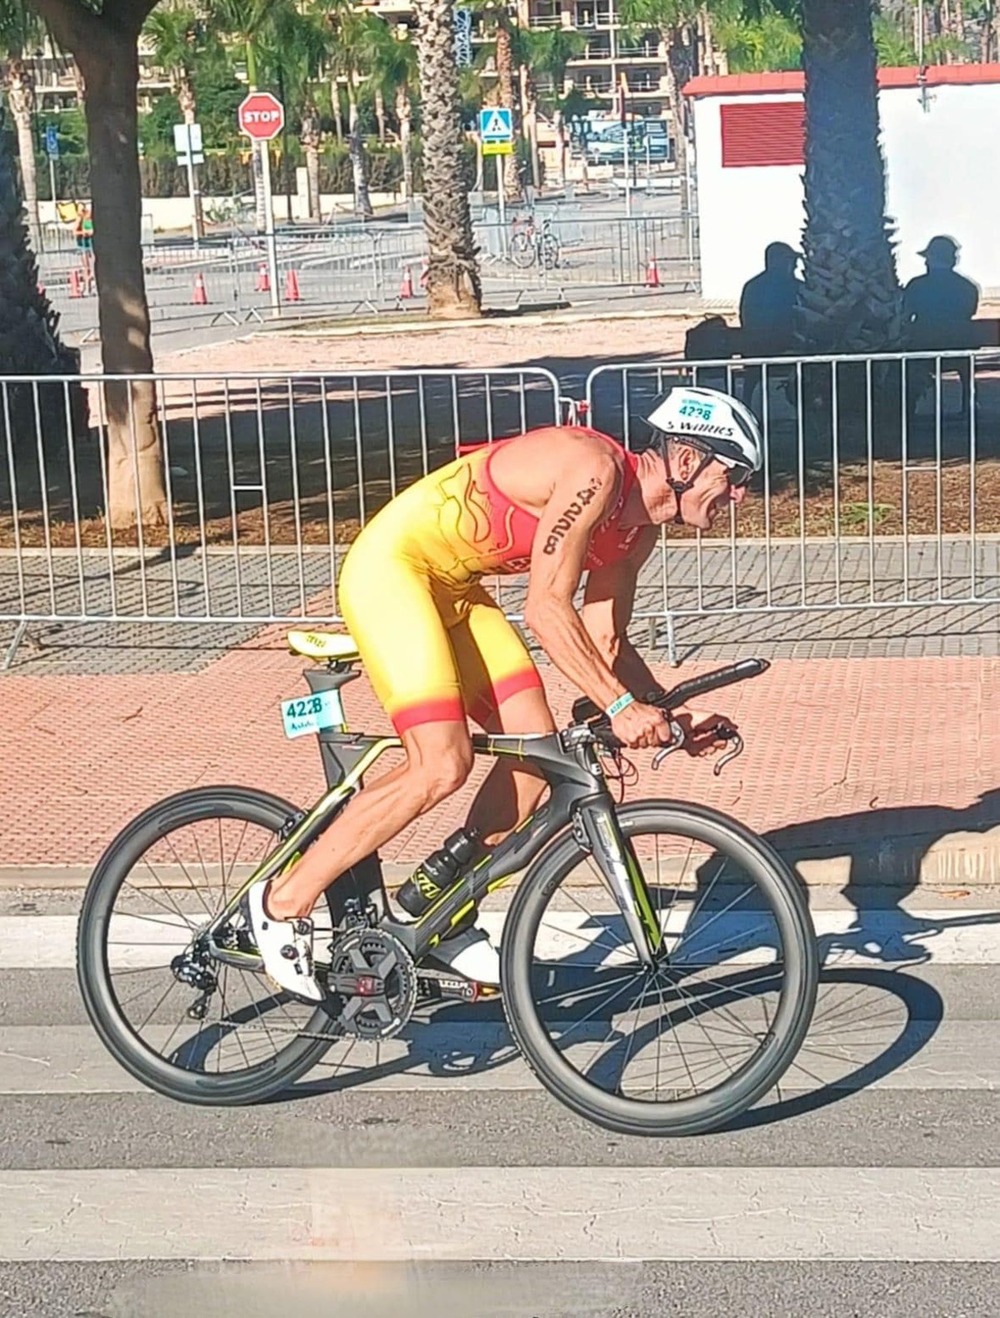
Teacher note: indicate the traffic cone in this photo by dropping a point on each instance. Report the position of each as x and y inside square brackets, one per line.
[292, 287]
[263, 284]
[406, 287]
[652, 274]
[75, 283]
[423, 273]
[200, 295]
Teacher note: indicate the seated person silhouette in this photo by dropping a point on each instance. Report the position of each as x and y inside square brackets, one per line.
[767, 311]
[938, 308]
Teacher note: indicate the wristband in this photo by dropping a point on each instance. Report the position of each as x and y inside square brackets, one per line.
[618, 705]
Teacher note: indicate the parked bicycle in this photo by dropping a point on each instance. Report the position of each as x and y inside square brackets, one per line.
[531, 243]
[633, 928]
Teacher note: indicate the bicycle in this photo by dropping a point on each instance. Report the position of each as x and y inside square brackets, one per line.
[530, 244]
[373, 964]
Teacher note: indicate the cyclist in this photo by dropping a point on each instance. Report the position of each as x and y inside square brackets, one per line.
[552, 503]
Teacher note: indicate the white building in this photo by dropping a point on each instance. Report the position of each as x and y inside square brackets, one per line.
[938, 141]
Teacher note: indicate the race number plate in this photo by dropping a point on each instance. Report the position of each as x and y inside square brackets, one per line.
[312, 713]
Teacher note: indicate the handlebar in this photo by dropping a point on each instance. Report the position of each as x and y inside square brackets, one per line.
[585, 711]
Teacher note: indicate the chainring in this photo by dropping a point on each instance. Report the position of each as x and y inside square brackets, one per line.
[375, 978]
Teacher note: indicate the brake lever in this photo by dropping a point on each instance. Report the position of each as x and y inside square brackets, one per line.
[720, 730]
[727, 734]
[674, 745]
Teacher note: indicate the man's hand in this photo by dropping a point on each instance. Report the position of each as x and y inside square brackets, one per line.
[700, 731]
[641, 725]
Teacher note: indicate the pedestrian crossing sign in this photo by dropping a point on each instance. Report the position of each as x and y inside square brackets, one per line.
[495, 125]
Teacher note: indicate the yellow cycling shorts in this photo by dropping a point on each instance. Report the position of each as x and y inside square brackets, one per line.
[435, 650]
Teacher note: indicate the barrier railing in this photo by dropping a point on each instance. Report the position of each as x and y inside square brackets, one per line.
[878, 490]
[266, 480]
[380, 268]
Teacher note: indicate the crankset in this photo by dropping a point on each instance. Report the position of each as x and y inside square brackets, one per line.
[373, 974]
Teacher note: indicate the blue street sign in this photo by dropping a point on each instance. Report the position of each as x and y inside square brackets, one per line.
[51, 140]
[495, 125]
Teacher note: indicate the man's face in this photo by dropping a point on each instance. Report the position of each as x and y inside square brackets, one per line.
[710, 495]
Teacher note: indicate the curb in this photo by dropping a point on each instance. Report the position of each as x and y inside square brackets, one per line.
[970, 860]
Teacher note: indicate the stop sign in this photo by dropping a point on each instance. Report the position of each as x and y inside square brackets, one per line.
[261, 116]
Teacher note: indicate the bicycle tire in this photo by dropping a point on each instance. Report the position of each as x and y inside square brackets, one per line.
[522, 251]
[723, 1104]
[253, 1085]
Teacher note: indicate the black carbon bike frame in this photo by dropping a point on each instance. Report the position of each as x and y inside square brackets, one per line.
[579, 798]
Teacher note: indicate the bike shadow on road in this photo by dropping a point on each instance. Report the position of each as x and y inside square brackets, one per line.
[873, 1016]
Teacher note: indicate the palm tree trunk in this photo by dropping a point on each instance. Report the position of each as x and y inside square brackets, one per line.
[136, 487]
[505, 89]
[680, 48]
[187, 99]
[380, 113]
[404, 113]
[529, 101]
[359, 157]
[338, 118]
[453, 288]
[310, 139]
[21, 98]
[852, 299]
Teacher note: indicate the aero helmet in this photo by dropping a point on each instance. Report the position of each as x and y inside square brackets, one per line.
[714, 423]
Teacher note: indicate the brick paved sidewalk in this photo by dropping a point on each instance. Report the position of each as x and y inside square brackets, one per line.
[862, 770]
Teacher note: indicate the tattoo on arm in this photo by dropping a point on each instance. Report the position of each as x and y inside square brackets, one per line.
[570, 514]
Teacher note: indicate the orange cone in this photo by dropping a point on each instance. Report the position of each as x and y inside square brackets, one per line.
[406, 287]
[292, 287]
[75, 283]
[263, 284]
[652, 274]
[200, 296]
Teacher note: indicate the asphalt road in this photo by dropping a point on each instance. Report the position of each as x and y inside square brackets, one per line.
[469, 1191]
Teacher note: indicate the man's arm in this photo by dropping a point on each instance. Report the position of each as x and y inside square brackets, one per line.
[582, 495]
[608, 602]
[580, 501]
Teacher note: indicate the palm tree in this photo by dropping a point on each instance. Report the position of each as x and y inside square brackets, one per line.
[453, 287]
[545, 53]
[759, 45]
[677, 22]
[852, 300]
[497, 19]
[391, 60]
[178, 37]
[248, 24]
[349, 40]
[20, 31]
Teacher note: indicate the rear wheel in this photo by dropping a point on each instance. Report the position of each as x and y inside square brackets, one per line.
[685, 1046]
[192, 1027]
[522, 250]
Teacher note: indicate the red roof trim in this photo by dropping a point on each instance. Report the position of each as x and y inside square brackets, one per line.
[748, 84]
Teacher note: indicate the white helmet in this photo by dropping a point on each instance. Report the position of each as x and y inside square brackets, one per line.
[713, 422]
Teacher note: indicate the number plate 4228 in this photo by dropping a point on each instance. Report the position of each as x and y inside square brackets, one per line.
[312, 713]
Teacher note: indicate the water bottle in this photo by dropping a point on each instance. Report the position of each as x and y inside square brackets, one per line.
[438, 872]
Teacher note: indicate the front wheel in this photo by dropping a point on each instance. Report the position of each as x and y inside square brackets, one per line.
[688, 1044]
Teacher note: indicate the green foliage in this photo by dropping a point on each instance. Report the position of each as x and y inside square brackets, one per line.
[769, 42]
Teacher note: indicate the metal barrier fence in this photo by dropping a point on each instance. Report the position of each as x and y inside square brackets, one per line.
[879, 489]
[380, 268]
[267, 479]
